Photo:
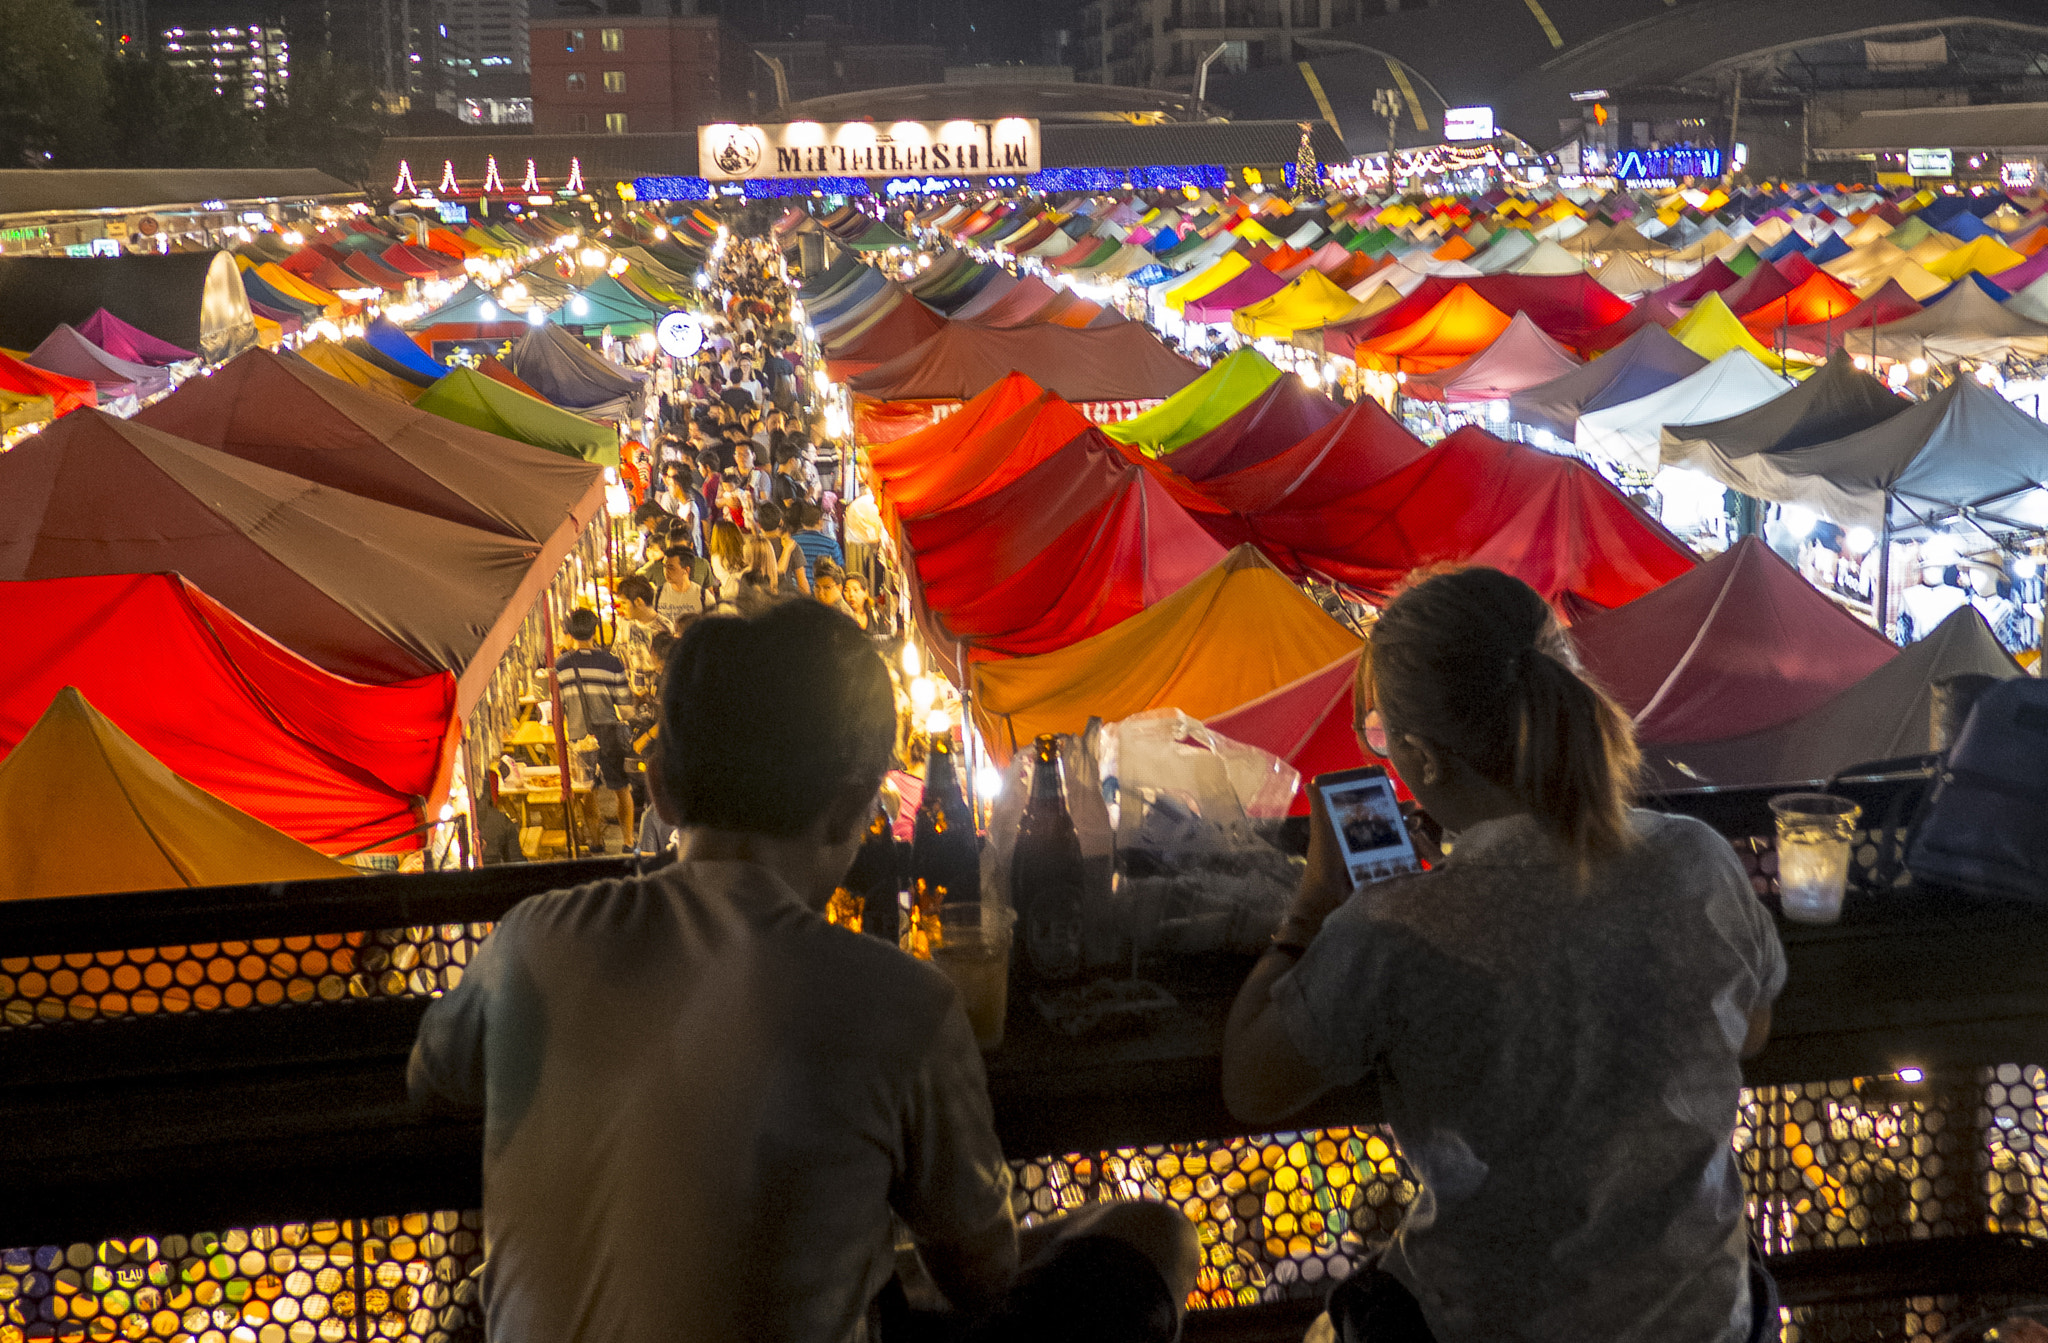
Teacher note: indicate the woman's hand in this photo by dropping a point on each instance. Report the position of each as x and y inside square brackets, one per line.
[1325, 883]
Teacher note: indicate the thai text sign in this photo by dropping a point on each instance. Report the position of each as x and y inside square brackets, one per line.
[734, 153]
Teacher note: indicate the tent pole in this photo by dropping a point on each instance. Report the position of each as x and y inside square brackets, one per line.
[547, 626]
[1882, 598]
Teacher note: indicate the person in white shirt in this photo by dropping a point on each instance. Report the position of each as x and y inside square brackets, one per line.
[706, 1108]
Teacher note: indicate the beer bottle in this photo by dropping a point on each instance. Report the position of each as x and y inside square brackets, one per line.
[945, 857]
[1046, 872]
[875, 880]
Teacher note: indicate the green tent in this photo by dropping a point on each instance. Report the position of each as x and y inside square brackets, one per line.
[1744, 261]
[468, 397]
[1233, 383]
[878, 238]
[606, 302]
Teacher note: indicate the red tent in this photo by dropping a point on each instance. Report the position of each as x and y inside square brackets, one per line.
[998, 286]
[1068, 308]
[1278, 418]
[1309, 723]
[1740, 644]
[1124, 362]
[27, 380]
[1523, 357]
[1820, 297]
[317, 268]
[1250, 286]
[1888, 304]
[1065, 550]
[368, 268]
[333, 763]
[1650, 311]
[1711, 278]
[281, 412]
[1571, 309]
[1459, 326]
[366, 590]
[1763, 285]
[915, 450]
[1796, 267]
[987, 460]
[1368, 518]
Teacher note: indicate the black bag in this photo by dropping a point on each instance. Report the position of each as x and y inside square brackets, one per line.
[1986, 826]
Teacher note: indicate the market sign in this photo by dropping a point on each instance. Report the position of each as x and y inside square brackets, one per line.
[1930, 162]
[737, 153]
[1468, 123]
[680, 334]
[1667, 165]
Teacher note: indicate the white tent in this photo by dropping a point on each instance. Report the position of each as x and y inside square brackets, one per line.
[1630, 432]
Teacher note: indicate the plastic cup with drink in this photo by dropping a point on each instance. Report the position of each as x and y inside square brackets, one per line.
[972, 945]
[1815, 833]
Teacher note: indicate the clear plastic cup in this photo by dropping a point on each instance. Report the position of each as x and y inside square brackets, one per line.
[1815, 834]
[972, 945]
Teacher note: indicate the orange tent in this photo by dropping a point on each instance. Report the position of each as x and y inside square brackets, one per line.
[1820, 297]
[992, 457]
[937, 441]
[1458, 327]
[1457, 249]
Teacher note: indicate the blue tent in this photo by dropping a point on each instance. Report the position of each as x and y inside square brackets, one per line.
[400, 348]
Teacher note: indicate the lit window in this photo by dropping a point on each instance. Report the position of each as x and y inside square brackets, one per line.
[575, 40]
[615, 123]
[575, 83]
[615, 81]
[612, 39]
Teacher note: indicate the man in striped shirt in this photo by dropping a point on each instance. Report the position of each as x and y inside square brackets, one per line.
[594, 683]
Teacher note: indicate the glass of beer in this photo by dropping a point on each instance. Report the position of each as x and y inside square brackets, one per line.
[1815, 832]
[972, 945]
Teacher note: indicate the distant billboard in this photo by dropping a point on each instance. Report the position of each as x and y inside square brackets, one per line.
[1660, 165]
[1468, 123]
[810, 149]
[1931, 162]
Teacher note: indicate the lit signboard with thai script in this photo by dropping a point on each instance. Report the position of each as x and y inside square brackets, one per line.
[1468, 123]
[1930, 162]
[737, 153]
[1650, 165]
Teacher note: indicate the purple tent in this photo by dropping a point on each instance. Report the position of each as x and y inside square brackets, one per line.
[1216, 306]
[66, 351]
[126, 341]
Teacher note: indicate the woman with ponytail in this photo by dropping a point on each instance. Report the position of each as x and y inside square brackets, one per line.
[1555, 1012]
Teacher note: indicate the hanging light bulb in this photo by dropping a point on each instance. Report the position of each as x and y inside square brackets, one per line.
[913, 661]
[923, 694]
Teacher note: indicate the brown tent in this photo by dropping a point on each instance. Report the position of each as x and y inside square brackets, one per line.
[1124, 362]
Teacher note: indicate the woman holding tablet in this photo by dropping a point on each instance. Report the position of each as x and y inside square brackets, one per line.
[1556, 1012]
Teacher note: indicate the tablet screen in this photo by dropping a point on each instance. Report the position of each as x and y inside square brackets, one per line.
[1367, 819]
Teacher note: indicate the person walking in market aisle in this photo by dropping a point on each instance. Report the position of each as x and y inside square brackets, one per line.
[1556, 1013]
[706, 1109]
[595, 688]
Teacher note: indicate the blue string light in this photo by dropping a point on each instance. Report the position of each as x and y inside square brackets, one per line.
[1154, 178]
[671, 189]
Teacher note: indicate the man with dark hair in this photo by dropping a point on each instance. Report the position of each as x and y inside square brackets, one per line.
[793, 576]
[703, 1103]
[818, 544]
[596, 689]
[639, 622]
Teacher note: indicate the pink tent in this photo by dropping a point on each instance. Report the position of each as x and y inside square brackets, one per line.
[132, 343]
[1216, 306]
[1520, 358]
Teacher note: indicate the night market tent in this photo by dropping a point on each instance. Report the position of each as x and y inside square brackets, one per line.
[18, 411]
[1460, 325]
[565, 372]
[402, 349]
[925, 447]
[65, 351]
[1761, 286]
[1629, 433]
[367, 267]
[1964, 450]
[1740, 644]
[1984, 256]
[1648, 361]
[604, 302]
[331, 762]
[85, 810]
[283, 412]
[1881, 717]
[878, 237]
[1574, 310]
[986, 460]
[901, 327]
[365, 589]
[1363, 517]
[469, 397]
[1966, 323]
[193, 300]
[998, 287]
[1521, 358]
[1310, 723]
[854, 318]
[1124, 362]
[1839, 400]
[1888, 304]
[1628, 277]
[1237, 632]
[471, 303]
[66, 394]
[1820, 297]
[1712, 330]
[1012, 305]
[842, 271]
[1278, 418]
[1197, 284]
[1309, 300]
[376, 358]
[821, 311]
[1229, 385]
[126, 341]
[1547, 258]
[1077, 544]
[1254, 284]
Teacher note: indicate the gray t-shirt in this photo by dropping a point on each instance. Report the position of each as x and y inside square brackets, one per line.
[702, 1104]
[1560, 1064]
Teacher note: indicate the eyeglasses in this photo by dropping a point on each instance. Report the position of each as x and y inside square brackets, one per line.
[1373, 731]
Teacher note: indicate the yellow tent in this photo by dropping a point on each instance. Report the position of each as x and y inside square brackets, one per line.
[1254, 231]
[269, 334]
[1710, 330]
[328, 357]
[290, 285]
[84, 810]
[1933, 248]
[1868, 267]
[19, 411]
[1215, 275]
[1309, 300]
[1986, 256]
[1238, 632]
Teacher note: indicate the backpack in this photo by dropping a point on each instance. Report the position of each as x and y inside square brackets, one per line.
[1985, 829]
[577, 722]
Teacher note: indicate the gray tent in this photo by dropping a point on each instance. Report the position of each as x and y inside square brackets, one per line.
[563, 369]
[1648, 361]
[194, 300]
[1966, 323]
[1881, 716]
[1839, 400]
[1965, 451]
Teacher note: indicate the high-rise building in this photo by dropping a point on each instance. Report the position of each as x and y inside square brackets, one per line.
[618, 68]
[250, 61]
[483, 37]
